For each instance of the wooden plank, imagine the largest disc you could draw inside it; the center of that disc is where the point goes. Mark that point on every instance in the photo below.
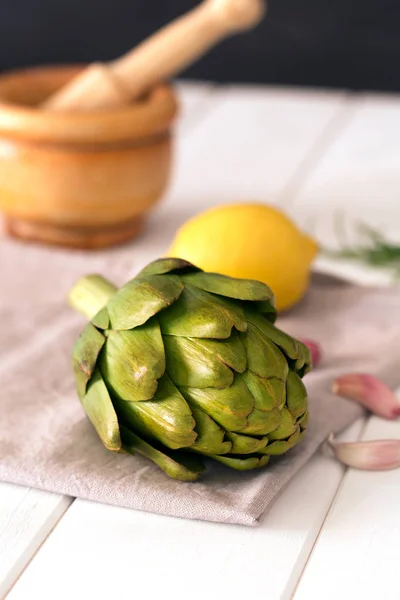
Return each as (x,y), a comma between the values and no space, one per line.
(249,146)
(357,554)
(253,144)
(111,549)
(26,518)
(357,180)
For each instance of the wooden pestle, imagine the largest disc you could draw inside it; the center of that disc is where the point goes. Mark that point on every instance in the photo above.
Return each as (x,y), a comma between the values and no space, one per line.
(163,55)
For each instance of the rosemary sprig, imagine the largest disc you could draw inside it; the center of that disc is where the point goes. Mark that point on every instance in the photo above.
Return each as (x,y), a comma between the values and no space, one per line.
(373,250)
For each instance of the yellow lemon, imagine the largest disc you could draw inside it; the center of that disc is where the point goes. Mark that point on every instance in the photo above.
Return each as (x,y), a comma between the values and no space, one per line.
(252,241)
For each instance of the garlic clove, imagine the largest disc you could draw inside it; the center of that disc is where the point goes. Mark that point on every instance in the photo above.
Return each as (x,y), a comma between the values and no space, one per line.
(369,391)
(376,455)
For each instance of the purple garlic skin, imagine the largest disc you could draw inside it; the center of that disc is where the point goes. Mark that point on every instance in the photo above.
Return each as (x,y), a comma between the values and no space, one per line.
(376,455)
(370,392)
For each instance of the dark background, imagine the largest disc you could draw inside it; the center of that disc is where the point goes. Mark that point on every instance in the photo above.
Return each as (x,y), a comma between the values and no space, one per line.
(326,43)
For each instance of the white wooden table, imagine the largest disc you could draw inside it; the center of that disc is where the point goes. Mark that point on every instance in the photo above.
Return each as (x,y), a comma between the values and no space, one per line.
(333,533)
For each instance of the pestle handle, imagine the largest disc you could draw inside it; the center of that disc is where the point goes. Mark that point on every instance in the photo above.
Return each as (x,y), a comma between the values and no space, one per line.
(158,58)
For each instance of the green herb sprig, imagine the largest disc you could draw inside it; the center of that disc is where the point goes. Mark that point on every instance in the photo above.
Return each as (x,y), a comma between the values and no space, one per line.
(372,249)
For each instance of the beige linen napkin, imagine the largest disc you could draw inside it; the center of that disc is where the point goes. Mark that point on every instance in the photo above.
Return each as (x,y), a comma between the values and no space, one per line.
(47,442)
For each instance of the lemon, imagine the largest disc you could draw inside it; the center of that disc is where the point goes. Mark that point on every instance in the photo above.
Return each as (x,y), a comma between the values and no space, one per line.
(252,241)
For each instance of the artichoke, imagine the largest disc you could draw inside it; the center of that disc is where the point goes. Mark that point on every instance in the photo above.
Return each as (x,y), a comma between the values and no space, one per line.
(180,363)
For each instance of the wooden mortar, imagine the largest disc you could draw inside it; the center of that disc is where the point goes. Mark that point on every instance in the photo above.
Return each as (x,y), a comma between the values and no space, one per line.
(82,180)
(85,153)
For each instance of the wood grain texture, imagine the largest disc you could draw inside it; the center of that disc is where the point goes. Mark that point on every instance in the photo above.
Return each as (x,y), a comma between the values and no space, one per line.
(249,145)
(357,553)
(357,180)
(26,518)
(164,556)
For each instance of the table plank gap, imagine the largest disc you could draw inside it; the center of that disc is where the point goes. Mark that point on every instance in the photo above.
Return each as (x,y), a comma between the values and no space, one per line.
(357,180)
(356,555)
(282,541)
(27,517)
(334,127)
(357,434)
(246,148)
(249,145)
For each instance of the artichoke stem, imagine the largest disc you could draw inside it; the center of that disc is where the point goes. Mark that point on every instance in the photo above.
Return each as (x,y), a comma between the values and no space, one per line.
(90,294)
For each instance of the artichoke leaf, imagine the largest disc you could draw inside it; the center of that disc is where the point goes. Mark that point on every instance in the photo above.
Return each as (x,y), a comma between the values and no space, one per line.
(162,266)
(166,418)
(102,319)
(289,346)
(229,407)
(132,361)
(230,351)
(223,285)
(99,408)
(303,365)
(263,357)
(140,299)
(178,465)
(210,436)
(262,423)
(268,393)
(244,444)
(296,395)
(247,463)
(84,356)
(281,446)
(287,427)
(267,309)
(189,364)
(303,421)
(199,314)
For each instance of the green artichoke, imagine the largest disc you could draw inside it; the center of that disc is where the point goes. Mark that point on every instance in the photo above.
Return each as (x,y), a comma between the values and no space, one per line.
(180,363)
